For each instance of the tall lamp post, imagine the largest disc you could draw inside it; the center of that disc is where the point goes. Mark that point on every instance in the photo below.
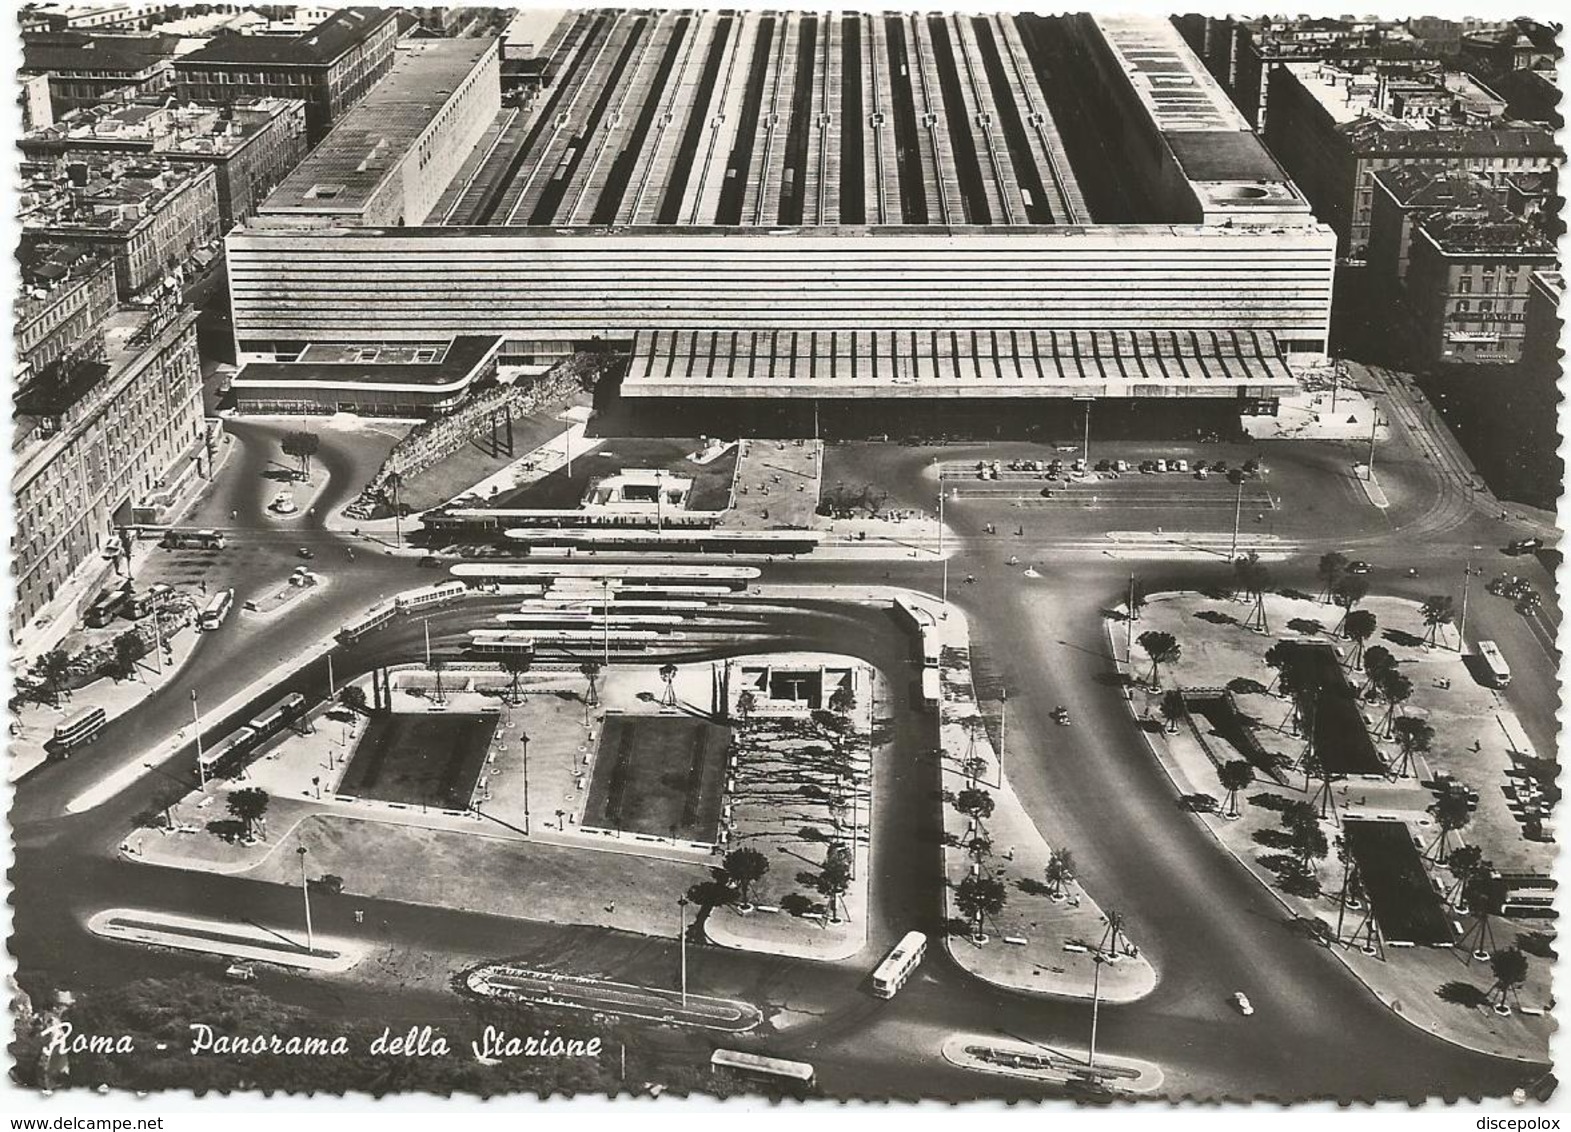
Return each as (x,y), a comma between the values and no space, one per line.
(1237,476)
(196,720)
(681,935)
(606,621)
(1096,1000)
(941,555)
(305,889)
(524,736)
(1461,628)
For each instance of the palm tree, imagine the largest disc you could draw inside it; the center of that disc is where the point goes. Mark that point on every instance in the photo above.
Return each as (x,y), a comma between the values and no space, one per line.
(1358,626)
(1137,597)
(1484,896)
(1437,610)
(1378,660)
(352,696)
(55,667)
(1113,933)
(746,704)
(1332,566)
(129,648)
(1235,776)
(1347,593)
(302,446)
(834,878)
(668,674)
(1060,870)
(516,665)
(745,867)
(590,670)
(1395,689)
(1510,971)
(1253,578)
(437,665)
(1173,709)
(978,897)
(1462,862)
(974,767)
(1276,659)
(1415,736)
(248,806)
(980,847)
(1452,813)
(1162,648)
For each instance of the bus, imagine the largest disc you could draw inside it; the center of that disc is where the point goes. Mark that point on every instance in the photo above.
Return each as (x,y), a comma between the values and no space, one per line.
(430,595)
(890,975)
(83,727)
(756,1066)
(175,539)
(224,754)
(279,716)
(932,690)
(217,608)
(1494,663)
(105,608)
(375,618)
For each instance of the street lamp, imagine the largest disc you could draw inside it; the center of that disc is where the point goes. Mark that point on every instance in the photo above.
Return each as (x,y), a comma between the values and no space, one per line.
(305,888)
(525,737)
(681,935)
(196,719)
(1096,1000)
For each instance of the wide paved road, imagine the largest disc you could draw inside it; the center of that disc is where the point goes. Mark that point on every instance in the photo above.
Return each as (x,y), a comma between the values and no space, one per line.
(1208,926)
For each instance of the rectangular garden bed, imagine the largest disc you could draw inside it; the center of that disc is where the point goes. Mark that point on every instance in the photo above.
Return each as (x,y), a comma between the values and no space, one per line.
(1407,908)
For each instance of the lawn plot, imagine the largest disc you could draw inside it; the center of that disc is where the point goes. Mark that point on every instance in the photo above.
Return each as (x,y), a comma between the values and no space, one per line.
(420,760)
(658,775)
(1405,902)
(1341,737)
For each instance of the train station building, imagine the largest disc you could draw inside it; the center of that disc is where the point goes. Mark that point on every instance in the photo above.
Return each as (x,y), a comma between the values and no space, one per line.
(783,206)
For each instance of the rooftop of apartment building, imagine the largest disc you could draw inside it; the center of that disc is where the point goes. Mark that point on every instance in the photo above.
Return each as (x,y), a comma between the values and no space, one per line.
(327,41)
(48,267)
(1523,32)
(1403,94)
(163,126)
(1311,38)
(1552,283)
(1434,186)
(95,51)
(366,146)
(1468,233)
(106,192)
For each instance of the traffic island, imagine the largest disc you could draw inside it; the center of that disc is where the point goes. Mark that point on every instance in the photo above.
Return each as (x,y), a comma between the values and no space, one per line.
(1336,808)
(1061,1065)
(291,946)
(675,1007)
(1040,931)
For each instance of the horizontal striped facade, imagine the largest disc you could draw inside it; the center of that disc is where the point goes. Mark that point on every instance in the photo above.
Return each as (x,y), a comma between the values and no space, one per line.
(557,287)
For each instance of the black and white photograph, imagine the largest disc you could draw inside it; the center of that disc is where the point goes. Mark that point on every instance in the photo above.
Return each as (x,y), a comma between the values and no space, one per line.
(821,562)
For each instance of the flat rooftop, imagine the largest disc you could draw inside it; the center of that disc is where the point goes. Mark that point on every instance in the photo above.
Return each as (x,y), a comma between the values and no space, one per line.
(1178,92)
(402,364)
(320,45)
(344,172)
(781,118)
(187,130)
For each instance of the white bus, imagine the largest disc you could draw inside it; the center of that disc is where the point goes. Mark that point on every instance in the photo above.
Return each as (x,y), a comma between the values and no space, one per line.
(83,727)
(430,595)
(932,689)
(277,717)
(200,540)
(217,608)
(1499,672)
(366,622)
(892,973)
(756,1065)
(227,753)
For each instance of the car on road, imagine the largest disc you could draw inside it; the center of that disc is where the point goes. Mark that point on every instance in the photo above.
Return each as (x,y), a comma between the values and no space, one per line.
(1120,465)
(1358,566)
(305,552)
(1180,465)
(113,547)
(1525,546)
(1241,1000)
(430,562)
(240,973)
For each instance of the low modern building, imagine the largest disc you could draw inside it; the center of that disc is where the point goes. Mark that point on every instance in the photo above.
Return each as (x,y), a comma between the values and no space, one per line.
(252,144)
(332,66)
(68,291)
(1335,127)
(415,379)
(85,451)
(1468,284)
(156,217)
(388,161)
(85,69)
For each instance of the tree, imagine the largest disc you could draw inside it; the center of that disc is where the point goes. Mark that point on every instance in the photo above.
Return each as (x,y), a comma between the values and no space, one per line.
(1277,659)
(975,804)
(1463,862)
(980,847)
(975,766)
(1060,870)
(1452,813)
(835,877)
(843,700)
(1394,689)
(979,897)
(516,665)
(352,696)
(1484,896)
(247,806)
(1438,610)
(1137,597)
(1414,736)
(746,704)
(1332,566)
(1235,776)
(1377,660)
(668,674)
(438,664)
(1358,626)
(302,446)
(129,648)
(55,668)
(1162,648)
(1347,593)
(393,483)
(745,867)
(1510,971)
(1253,578)
(1173,709)
(590,670)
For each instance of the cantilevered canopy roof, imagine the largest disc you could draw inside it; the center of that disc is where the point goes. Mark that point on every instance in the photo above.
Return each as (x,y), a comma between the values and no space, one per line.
(1012,362)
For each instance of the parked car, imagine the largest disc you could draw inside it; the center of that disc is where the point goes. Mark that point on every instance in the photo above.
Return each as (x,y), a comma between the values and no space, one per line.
(1201,465)
(240,973)
(113,547)
(1104,465)
(1120,465)
(1241,1000)
(1358,566)
(305,552)
(1161,466)
(1180,465)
